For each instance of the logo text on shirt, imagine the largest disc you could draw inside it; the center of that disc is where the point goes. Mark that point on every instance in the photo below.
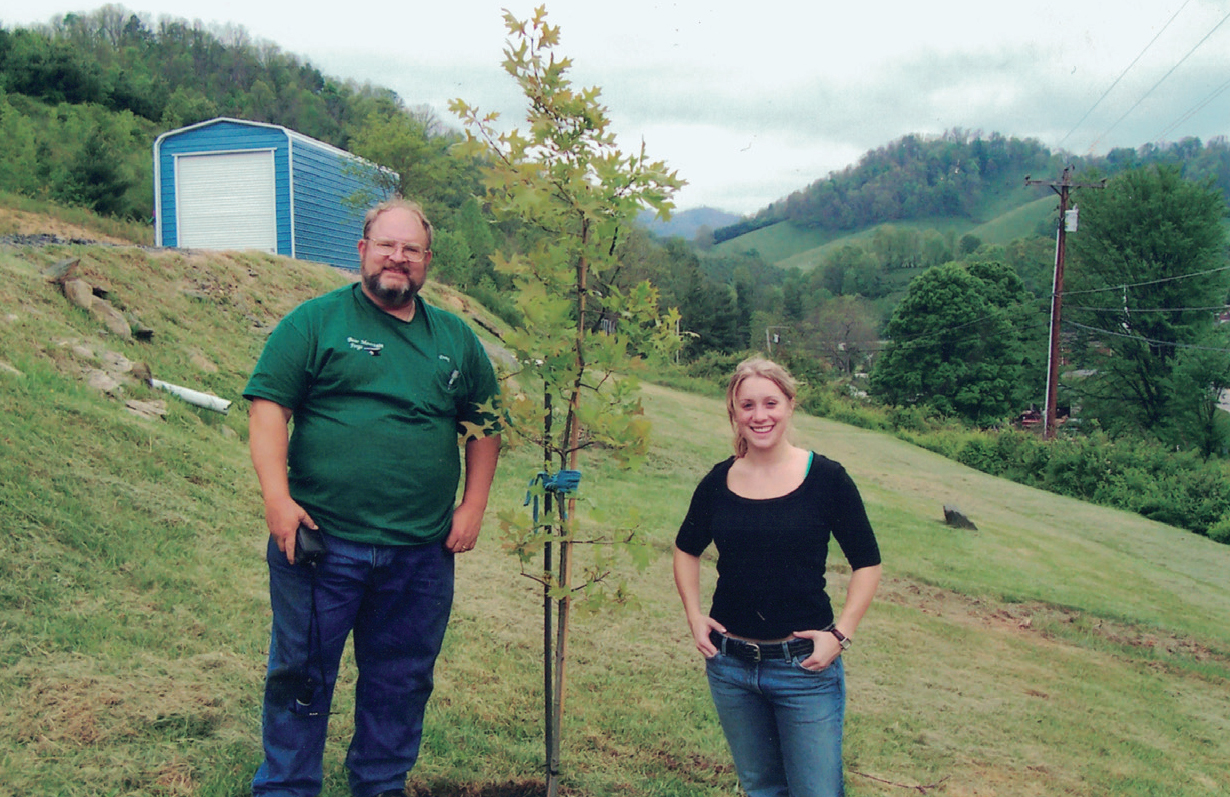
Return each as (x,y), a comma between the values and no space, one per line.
(373,349)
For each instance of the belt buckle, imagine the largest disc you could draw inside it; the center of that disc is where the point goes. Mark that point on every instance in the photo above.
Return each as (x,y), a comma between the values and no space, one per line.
(755,651)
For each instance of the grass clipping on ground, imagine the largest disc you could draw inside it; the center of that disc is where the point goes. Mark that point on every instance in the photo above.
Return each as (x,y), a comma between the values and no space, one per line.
(1060,649)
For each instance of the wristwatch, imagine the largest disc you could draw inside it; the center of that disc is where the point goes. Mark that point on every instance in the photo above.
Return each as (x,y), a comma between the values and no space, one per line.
(842,639)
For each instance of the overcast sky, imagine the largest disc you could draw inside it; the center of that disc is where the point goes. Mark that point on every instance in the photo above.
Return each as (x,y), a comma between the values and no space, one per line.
(752,100)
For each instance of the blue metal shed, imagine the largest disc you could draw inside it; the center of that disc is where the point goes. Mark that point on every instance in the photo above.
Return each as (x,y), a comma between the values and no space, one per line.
(235,184)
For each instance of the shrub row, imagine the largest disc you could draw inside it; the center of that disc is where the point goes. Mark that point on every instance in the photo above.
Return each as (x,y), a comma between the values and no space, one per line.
(1173,487)
(1178,488)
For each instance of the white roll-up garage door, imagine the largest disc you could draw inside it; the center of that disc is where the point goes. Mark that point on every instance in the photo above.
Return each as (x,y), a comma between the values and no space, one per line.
(226,201)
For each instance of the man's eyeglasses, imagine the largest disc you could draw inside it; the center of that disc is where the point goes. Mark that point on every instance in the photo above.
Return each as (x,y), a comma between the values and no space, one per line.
(412,252)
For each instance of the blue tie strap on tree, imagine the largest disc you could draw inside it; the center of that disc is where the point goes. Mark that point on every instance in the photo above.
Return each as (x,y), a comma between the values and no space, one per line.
(561,484)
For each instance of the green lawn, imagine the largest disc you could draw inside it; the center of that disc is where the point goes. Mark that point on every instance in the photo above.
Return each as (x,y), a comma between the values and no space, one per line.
(1060,649)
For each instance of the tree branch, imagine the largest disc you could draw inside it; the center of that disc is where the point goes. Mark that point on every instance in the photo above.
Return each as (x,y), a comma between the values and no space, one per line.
(919,789)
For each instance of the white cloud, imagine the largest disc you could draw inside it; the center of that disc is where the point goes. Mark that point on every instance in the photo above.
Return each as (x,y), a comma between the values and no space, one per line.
(751,102)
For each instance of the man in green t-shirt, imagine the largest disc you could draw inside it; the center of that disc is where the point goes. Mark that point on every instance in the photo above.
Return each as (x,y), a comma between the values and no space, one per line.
(379,385)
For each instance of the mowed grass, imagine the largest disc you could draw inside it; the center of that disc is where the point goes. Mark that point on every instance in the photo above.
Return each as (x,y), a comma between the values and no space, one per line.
(1020,221)
(788,246)
(1060,649)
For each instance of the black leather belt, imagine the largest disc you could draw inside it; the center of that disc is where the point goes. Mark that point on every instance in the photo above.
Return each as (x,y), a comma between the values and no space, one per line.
(754,652)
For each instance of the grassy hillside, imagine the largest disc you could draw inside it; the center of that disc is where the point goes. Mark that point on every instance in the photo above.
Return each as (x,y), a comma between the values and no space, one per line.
(1019,222)
(787,246)
(777,242)
(32,217)
(1061,649)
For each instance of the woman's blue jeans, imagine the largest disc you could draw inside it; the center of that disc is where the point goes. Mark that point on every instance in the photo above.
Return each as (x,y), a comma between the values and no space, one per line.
(396,600)
(783,724)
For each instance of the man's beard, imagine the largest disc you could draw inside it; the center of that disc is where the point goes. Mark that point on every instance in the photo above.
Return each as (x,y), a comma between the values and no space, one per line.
(393,297)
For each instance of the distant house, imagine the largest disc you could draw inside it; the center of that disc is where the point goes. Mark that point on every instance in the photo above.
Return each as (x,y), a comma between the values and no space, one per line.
(235,184)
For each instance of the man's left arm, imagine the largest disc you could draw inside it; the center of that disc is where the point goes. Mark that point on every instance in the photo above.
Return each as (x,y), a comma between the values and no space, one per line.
(482,453)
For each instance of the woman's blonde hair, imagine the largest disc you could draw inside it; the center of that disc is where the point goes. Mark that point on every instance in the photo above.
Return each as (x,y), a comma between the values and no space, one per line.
(767,369)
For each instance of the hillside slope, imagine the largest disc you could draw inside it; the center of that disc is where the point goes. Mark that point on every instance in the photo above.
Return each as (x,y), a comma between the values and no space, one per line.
(787,246)
(1061,649)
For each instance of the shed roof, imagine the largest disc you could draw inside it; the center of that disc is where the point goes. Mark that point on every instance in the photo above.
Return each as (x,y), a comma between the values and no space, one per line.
(291,134)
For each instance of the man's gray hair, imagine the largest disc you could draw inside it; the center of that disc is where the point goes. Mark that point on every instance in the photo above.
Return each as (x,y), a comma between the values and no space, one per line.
(398,202)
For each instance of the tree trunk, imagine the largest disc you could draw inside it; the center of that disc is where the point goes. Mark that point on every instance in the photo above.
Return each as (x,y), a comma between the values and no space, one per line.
(550,725)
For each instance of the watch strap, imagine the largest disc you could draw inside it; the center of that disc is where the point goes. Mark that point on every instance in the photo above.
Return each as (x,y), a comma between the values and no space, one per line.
(842,639)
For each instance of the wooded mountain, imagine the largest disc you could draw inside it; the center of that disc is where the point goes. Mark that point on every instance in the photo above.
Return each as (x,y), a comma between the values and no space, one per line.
(961,175)
(685,224)
(82,99)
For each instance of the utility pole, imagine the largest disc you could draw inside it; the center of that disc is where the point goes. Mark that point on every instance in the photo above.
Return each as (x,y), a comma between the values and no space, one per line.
(1067,223)
(771,337)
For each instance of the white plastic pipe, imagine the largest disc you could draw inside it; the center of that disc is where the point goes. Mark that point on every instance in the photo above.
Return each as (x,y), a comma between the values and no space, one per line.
(194,396)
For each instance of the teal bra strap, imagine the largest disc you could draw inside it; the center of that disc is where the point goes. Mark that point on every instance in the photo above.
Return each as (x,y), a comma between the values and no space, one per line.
(811,455)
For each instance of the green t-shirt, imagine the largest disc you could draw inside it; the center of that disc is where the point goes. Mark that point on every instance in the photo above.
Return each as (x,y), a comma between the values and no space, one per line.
(378,404)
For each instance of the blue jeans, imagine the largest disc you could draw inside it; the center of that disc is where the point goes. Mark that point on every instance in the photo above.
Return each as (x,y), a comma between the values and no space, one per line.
(783,724)
(396,600)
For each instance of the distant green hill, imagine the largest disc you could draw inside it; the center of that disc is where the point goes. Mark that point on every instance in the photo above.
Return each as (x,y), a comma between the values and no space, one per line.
(955,183)
(778,243)
(1020,222)
(787,246)
(83,98)
(685,223)
(1007,214)
(957,175)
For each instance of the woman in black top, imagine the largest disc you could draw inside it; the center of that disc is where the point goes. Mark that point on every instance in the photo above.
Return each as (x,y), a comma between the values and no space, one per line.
(771,643)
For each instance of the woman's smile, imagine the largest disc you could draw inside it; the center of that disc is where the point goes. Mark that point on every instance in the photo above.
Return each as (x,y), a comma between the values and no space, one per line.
(762,411)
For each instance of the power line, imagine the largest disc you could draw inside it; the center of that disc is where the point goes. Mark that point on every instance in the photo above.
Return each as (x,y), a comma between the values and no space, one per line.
(1158,83)
(922,339)
(1148,310)
(1121,74)
(1195,110)
(945,331)
(1142,339)
(1150,282)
